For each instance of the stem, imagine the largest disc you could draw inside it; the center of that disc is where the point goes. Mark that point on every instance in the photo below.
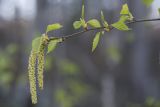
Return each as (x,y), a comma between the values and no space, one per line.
(76,34)
(144,20)
(100,28)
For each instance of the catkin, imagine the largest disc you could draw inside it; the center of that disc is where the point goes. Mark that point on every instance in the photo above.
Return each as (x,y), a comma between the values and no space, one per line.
(40,62)
(32,78)
(40,68)
(39,57)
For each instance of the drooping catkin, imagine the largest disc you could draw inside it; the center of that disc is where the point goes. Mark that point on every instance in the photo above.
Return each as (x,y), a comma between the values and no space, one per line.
(40,61)
(40,67)
(32,78)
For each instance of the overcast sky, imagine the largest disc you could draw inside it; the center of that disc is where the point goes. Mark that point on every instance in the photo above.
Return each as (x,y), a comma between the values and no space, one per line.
(27,8)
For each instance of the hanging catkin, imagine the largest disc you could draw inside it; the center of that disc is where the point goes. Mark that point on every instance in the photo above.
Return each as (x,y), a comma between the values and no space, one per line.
(40,61)
(40,64)
(37,54)
(32,78)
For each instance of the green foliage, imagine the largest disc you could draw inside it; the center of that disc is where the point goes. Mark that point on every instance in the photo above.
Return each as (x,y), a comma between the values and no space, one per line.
(120,25)
(82,14)
(7,65)
(94,23)
(125,16)
(52,44)
(78,88)
(104,22)
(6,78)
(125,12)
(49,62)
(77,91)
(159,10)
(102,16)
(149,102)
(12,48)
(68,67)
(77,24)
(83,22)
(36,44)
(96,41)
(113,53)
(52,27)
(147,2)
(63,98)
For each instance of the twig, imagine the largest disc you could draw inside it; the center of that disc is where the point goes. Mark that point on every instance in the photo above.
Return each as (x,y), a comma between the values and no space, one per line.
(100,28)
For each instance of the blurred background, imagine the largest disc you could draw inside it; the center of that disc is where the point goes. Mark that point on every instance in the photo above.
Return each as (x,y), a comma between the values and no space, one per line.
(123,71)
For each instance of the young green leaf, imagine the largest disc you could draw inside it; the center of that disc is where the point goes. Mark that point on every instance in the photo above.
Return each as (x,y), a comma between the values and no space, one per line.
(148,2)
(36,44)
(83,23)
(53,27)
(125,11)
(102,16)
(159,10)
(130,16)
(96,41)
(121,26)
(77,24)
(82,14)
(104,22)
(52,44)
(123,18)
(94,23)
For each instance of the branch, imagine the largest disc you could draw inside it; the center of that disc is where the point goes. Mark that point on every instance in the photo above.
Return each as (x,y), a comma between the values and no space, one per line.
(143,20)
(101,28)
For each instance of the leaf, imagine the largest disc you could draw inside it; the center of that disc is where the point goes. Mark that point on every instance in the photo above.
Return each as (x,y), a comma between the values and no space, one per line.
(96,41)
(125,11)
(105,23)
(52,44)
(94,23)
(121,26)
(147,2)
(82,14)
(53,27)
(77,24)
(83,23)
(36,44)
(130,16)
(124,18)
(159,10)
(102,16)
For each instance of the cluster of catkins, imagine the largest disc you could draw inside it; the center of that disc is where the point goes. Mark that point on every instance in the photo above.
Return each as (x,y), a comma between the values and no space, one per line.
(37,58)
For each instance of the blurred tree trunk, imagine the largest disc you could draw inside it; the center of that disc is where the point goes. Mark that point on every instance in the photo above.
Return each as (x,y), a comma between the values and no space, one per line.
(142,80)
